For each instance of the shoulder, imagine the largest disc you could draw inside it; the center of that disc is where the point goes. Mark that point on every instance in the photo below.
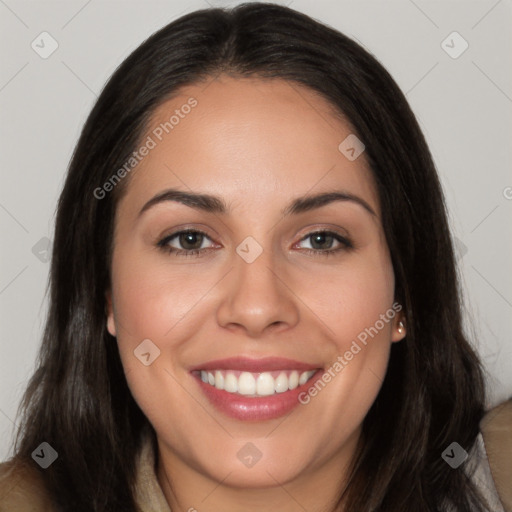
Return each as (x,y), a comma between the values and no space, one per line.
(22,489)
(496,431)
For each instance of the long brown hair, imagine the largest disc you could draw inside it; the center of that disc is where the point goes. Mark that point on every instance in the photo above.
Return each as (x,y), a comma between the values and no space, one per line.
(433,394)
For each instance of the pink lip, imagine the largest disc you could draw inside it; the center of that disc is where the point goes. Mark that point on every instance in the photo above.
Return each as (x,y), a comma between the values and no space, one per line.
(245,364)
(254,409)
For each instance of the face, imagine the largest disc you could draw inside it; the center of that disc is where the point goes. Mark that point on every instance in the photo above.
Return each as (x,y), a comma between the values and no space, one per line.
(266,282)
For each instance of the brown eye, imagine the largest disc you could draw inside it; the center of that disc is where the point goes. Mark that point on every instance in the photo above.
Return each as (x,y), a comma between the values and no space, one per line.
(190,240)
(186,243)
(321,242)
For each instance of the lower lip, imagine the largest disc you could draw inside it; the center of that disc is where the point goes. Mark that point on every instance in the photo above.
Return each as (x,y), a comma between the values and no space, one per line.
(255,409)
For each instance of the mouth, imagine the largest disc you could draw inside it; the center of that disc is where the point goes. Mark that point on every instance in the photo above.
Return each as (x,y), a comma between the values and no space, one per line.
(253,385)
(255,390)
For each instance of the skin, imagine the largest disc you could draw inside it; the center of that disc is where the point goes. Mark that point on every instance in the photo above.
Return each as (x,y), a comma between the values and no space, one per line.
(257,144)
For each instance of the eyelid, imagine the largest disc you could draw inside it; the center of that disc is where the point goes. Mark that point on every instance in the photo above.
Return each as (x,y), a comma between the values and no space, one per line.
(184,228)
(163,240)
(312,231)
(323,228)
(344,240)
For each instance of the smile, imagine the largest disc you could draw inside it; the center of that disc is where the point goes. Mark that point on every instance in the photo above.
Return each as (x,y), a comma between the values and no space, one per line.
(255,389)
(254,385)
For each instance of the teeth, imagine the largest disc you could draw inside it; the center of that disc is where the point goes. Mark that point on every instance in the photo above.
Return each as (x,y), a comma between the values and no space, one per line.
(281,383)
(303,378)
(293,380)
(219,380)
(246,384)
(256,384)
(265,385)
(231,383)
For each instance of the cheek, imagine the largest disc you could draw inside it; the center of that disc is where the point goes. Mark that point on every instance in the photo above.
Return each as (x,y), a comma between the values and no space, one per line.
(360,345)
(351,298)
(151,309)
(356,307)
(151,299)
(161,302)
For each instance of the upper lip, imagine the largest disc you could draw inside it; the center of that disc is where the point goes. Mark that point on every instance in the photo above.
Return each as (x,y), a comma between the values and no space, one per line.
(245,364)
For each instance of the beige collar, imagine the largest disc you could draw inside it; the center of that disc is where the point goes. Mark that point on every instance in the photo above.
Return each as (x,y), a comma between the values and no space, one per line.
(496,428)
(148,493)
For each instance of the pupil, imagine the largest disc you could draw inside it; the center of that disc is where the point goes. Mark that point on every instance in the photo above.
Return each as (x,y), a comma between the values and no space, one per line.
(321,238)
(187,239)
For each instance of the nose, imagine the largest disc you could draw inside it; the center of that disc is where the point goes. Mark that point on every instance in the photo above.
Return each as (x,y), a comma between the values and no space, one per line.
(256,299)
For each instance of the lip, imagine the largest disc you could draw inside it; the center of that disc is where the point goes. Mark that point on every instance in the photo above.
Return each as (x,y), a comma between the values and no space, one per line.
(259,408)
(245,364)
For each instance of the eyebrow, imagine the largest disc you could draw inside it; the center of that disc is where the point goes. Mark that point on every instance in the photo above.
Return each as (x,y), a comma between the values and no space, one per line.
(214,204)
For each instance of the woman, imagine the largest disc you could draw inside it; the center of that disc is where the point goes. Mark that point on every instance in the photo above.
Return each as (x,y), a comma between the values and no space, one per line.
(254,299)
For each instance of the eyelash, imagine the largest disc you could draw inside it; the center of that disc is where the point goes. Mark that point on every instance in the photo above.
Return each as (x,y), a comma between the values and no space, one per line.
(162,244)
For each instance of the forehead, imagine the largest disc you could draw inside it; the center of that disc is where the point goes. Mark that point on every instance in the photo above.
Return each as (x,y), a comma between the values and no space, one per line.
(260,139)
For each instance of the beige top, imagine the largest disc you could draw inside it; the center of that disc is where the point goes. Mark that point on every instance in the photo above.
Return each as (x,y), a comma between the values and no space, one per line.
(21,489)
(148,493)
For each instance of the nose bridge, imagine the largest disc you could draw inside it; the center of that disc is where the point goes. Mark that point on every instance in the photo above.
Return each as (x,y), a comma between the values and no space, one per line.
(255,267)
(256,297)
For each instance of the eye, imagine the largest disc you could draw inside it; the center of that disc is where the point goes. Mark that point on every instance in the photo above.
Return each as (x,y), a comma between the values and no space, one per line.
(189,242)
(322,241)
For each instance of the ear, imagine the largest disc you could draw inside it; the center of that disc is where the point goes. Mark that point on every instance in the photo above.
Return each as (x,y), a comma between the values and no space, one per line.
(111,326)
(399,328)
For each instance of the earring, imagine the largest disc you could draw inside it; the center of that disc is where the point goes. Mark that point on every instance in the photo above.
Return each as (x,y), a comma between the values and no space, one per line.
(401,327)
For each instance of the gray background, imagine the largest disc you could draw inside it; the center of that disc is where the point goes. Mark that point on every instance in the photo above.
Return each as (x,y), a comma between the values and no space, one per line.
(463,104)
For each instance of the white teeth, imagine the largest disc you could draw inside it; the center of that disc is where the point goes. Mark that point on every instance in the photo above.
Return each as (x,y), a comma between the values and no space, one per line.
(303,378)
(231,383)
(265,384)
(255,384)
(293,380)
(281,383)
(219,380)
(246,384)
